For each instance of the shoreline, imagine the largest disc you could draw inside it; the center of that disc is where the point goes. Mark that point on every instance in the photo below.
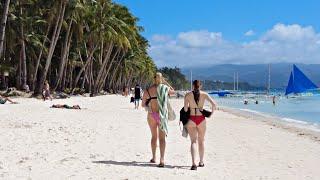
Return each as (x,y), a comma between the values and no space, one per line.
(300,129)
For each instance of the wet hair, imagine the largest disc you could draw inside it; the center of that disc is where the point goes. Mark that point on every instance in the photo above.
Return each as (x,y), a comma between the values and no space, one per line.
(158,78)
(196,90)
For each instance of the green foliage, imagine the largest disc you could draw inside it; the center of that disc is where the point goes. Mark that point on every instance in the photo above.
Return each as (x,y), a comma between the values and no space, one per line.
(175,78)
(105,29)
(220,85)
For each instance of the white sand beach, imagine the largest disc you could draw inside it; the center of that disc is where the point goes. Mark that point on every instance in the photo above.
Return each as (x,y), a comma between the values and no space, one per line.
(110,140)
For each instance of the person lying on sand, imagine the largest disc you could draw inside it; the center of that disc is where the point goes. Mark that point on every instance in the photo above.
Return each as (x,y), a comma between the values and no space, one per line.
(3,100)
(65,106)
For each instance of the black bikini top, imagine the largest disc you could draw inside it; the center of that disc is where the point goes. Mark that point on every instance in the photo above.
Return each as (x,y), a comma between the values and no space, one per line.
(150,96)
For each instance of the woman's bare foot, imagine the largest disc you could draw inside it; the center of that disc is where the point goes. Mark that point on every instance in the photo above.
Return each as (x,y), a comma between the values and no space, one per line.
(153,161)
(193,167)
(161,165)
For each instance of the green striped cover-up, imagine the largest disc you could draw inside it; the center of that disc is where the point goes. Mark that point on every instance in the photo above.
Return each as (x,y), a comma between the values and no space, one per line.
(162,97)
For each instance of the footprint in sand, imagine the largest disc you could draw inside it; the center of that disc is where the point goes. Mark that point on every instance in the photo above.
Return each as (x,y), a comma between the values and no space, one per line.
(69,159)
(22,160)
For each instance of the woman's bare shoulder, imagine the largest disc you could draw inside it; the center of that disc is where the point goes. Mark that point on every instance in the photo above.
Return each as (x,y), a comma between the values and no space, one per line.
(150,87)
(188,94)
(203,93)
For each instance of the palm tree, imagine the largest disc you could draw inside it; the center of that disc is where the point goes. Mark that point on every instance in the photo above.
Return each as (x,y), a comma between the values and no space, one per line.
(54,39)
(93,45)
(3,24)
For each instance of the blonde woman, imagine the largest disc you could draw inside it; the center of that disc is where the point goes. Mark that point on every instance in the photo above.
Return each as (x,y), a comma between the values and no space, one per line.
(152,99)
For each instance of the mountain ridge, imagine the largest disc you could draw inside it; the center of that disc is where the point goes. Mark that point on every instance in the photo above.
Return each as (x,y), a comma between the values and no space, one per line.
(254,74)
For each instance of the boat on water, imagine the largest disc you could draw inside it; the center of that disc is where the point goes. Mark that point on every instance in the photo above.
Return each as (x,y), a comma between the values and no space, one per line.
(299,83)
(221,93)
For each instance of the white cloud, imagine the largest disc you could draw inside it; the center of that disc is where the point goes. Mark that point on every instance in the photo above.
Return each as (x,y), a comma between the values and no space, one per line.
(295,32)
(282,43)
(198,39)
(250,33)
(160,38)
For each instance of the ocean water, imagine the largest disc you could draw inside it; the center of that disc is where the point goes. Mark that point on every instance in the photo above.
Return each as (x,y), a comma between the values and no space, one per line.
(303,110)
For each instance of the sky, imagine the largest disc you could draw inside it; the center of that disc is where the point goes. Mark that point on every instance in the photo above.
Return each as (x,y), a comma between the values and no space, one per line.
(188,33)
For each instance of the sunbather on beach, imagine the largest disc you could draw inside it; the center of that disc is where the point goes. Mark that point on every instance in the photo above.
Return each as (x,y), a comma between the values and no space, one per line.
(3,100)
(65,106)
(158,126)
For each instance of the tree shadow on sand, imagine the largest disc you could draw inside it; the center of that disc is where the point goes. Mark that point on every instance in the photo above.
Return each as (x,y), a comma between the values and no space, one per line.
(138,164)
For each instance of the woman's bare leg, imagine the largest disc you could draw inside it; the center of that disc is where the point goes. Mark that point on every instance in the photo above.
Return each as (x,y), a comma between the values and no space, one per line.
(154,136)
(10,100)
(162,142)
(192,130)
(201,133)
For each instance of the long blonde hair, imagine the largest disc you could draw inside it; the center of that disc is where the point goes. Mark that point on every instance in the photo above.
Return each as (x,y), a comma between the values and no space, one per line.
(158,78)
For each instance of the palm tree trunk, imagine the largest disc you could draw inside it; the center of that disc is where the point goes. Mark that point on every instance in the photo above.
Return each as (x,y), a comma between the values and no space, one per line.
(91,84)
(64,79)
(71,75)
(105,74)
(3,24)
(23,60)
(23,57)
(89,59)
(116,70)
(39,59)
(53,44)
(102,69)
(109,67)
(64,56)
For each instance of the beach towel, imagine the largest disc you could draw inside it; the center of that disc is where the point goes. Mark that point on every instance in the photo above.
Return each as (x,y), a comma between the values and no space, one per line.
(162,97)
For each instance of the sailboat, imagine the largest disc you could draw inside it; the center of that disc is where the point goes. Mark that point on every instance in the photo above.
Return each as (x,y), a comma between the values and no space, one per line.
(299,82)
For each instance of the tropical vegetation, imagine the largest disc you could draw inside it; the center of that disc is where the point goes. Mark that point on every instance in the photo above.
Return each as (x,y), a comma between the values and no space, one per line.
(221,85)
(175,77)
(92,45)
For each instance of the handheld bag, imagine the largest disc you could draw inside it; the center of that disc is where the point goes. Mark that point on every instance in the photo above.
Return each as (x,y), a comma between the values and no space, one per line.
(184,116)
(206,113)
(171,113)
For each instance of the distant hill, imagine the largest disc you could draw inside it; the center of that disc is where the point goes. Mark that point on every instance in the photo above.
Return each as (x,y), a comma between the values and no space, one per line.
(218,85)
(254,74)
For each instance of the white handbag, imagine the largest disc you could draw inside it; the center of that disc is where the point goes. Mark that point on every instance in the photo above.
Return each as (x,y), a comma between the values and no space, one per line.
(171,113)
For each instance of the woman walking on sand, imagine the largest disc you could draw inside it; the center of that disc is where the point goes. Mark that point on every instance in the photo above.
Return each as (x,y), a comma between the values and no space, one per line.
(154,100)
(196,125)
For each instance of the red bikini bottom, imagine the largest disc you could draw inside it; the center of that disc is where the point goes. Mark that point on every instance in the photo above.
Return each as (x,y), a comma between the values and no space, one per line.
(197,119)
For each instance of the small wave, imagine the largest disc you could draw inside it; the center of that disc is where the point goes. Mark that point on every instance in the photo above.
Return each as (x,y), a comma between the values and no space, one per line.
(252,111)
(294,121)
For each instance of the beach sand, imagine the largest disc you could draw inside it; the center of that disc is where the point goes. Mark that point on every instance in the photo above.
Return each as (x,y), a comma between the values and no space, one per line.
(110,140)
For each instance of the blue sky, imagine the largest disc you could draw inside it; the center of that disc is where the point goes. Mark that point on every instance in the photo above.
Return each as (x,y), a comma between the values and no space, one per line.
(229,31)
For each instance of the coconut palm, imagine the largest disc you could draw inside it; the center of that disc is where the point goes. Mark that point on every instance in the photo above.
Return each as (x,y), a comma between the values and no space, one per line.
(3,24)
(93,45)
